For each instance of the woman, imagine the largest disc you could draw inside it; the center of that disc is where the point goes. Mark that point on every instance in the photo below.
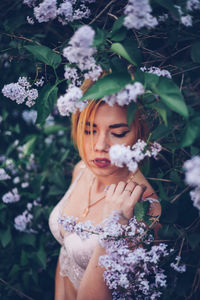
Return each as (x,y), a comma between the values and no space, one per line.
(98,188)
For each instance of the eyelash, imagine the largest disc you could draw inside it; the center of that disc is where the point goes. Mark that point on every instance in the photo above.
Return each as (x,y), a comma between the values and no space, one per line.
(120,135)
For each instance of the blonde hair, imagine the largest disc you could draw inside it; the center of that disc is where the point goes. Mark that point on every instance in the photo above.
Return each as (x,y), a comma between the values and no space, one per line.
(79,120)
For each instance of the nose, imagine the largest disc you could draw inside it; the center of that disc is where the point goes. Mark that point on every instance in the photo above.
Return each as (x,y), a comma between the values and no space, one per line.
(101,143)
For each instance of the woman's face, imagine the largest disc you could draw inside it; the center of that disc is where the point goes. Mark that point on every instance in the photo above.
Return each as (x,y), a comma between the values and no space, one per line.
(109,128)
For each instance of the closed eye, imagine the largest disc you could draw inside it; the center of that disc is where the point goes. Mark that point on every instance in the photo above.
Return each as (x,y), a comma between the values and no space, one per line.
(120,135)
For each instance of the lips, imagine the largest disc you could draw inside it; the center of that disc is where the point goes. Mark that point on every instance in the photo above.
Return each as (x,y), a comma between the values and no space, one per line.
(101,162)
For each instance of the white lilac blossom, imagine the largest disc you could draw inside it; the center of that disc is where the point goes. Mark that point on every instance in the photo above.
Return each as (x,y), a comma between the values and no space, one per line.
(192,171)
(128,94)
(72,74)
(46,11)
(157,71)
(29,116)
(181,268)
(131,271)
(39,82)
(195,197)
(80,52)
(24,185)
(20,92)
(121,155)
(22,221)
(30,3)
(138,15)
(192,178)
(11,197)
(30,20)
(186,20)
(193,5)
(3,174)
(16,180)
(69,103)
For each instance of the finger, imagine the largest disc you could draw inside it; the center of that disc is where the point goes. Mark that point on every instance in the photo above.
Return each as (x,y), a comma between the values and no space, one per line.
(110,190)
(120,187)
(137,194)
(130,187)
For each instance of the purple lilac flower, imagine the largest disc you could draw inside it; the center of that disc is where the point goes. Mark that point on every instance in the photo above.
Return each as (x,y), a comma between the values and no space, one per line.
(22,221)
(156,71)
(69,102)
(11,197)
(46,11)
(192,171)
(193,5)
(126,95)
(121,155)
(3,174)
(20,92)
(138,15)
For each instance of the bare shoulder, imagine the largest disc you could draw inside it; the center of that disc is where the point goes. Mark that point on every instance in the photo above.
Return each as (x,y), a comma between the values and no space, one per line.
(77,169)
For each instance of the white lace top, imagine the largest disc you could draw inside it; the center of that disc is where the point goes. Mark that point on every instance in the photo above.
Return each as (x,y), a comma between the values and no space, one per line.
(75,253)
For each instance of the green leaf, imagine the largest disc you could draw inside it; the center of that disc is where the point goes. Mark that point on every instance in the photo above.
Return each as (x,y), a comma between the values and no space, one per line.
(29,146)
(5,237)
(99,38)
(171,96)
(195,53)
(107,85)
(128,52)
(118,24)
(41,256)
(54,128)
(120,35)
(46,101)
(190,134)
(161,109)
(132,108)
(151,80)
(141,209)
(45,55)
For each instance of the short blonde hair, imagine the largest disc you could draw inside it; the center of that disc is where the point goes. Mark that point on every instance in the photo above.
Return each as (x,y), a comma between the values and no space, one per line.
(79,120)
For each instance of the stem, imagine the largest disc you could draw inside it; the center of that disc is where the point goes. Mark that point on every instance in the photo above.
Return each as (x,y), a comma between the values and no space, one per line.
(16,290)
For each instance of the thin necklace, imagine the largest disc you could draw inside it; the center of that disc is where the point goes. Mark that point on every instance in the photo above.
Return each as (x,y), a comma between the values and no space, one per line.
(86,210)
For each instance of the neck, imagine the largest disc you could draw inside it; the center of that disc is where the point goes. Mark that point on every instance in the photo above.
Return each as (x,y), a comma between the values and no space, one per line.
(102,181)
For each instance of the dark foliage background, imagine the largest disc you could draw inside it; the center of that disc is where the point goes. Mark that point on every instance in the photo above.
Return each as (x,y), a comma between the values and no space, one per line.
(42,153)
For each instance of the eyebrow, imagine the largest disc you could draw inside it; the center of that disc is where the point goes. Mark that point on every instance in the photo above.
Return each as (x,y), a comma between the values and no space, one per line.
(117,125)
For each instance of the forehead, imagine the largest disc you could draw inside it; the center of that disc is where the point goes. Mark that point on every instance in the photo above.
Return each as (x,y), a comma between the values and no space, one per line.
(106,114)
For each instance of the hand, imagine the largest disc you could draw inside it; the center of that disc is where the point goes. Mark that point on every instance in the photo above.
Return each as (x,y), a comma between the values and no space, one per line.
(123,197)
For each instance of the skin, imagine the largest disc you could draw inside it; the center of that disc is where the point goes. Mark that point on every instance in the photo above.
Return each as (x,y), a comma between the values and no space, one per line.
(121,195)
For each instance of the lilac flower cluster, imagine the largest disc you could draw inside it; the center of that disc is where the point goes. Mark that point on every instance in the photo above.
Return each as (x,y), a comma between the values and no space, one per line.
(193,5)
(121,155)
(3,174)
(131,271)
(156,71)
(66,12)
(80,52)
(186,20)
(11,197)
(138,15)
(126,95)
(23,222)
(192,178)
(69,103)
(20,92)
